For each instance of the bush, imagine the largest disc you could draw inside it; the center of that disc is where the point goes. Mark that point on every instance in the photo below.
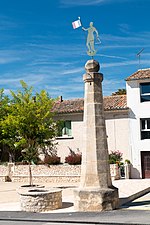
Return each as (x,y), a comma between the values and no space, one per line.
(52,159)
(127,161)
(73,159)
(115,157)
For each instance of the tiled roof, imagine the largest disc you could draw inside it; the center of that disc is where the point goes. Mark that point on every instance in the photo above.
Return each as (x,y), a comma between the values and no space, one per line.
(140,74)
(69,106)
(116,102)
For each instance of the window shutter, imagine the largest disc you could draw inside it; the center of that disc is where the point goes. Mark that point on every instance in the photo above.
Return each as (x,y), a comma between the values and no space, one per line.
(68,127)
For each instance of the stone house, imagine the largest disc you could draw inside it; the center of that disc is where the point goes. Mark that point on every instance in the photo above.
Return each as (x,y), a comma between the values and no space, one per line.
(127,120)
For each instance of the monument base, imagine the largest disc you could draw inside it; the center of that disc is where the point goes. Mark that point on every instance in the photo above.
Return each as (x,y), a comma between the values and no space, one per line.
(96,199)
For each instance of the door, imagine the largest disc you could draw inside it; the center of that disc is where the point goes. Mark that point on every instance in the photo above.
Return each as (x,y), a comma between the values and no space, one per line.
(145,160)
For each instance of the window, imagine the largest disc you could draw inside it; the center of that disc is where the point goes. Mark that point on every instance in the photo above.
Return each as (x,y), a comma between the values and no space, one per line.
(145,129)
(65,128)
(145,92)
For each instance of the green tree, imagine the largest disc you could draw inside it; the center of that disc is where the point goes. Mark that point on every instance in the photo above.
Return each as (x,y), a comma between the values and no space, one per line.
(27,123)
(34,118)
(4,104)
(9,135)
(5,110)
(120,92)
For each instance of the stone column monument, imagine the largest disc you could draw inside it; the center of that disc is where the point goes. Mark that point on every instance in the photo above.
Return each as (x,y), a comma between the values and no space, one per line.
(95,192)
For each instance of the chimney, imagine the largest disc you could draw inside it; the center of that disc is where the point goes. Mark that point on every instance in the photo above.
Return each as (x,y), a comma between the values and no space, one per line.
(60,99)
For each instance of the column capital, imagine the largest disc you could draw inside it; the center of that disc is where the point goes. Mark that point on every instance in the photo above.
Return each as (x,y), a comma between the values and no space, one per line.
(91,77)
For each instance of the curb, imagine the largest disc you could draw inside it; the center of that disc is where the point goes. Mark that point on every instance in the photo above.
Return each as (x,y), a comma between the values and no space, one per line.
(70,221)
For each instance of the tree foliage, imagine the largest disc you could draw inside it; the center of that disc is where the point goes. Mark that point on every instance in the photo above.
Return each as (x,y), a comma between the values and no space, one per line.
(7,128)
(120,92)
(27,122)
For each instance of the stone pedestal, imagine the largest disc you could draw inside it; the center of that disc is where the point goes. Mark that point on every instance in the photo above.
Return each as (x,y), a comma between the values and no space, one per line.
(96,199)
(40,199)
(96,192)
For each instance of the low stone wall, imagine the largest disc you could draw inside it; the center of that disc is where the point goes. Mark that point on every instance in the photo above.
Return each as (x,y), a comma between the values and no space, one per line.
(3,173)
(3,170)
(51,174)
(3,178)
(47,174)
(44,170)
(47,179)
(40,199)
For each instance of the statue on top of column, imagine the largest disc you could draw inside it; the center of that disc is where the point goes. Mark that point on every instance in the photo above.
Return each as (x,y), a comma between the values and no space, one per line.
(90,39)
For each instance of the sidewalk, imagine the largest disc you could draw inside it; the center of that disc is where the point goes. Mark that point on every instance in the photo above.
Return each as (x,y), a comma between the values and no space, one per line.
(129,189)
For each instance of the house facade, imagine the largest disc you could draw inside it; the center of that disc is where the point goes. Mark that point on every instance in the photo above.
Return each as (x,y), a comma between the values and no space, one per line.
(138,101)
(127,120)
(117,125)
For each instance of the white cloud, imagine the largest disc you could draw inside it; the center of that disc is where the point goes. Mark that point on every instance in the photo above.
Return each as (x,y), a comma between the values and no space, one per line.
(112,56)
(83,2)
(77,80)
(66,90)
(5,60)
(125,63)
(73,71)
(112,85)
(125,28)
(13,80)
(129,40)
(8,56)
(72,3)
(6,23)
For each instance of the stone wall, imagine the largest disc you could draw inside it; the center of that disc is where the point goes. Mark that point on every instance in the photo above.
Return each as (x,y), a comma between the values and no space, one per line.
(3,170)
(52,170)
(42,173)
(3,173)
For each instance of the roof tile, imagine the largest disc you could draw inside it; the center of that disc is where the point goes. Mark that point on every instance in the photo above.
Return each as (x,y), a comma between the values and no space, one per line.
(140,74)
(116,102)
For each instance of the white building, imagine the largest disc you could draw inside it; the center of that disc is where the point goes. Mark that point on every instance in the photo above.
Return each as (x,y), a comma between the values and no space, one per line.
(138,101)
(127,123)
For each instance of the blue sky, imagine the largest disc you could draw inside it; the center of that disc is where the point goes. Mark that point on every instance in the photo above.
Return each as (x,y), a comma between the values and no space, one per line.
(39,45)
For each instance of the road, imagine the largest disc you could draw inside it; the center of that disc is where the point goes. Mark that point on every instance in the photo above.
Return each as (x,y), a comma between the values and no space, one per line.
(64,223)
(121,216)
(35,223)
(42,223)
